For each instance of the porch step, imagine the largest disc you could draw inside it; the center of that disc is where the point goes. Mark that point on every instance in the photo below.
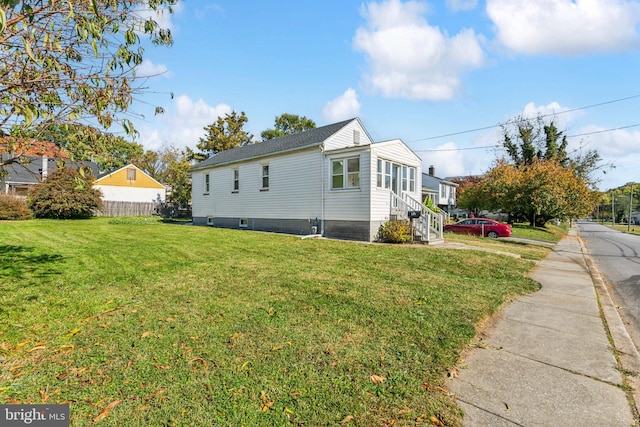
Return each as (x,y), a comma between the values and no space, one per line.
(433,241)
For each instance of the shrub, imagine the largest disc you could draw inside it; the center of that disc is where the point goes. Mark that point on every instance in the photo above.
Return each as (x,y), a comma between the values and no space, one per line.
(66,194)
(395,232)
(14,208)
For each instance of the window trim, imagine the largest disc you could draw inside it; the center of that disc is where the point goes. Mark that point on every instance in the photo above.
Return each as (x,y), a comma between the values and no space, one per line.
(207,183)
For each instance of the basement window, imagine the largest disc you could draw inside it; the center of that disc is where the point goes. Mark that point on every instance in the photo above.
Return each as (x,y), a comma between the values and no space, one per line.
(244,223)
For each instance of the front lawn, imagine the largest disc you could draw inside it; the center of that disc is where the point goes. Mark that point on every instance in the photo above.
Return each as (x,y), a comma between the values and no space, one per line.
(137,323)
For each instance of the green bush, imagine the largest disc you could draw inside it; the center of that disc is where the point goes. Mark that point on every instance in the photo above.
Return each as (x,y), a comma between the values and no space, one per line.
(14,208)
(395,232)
(66,194)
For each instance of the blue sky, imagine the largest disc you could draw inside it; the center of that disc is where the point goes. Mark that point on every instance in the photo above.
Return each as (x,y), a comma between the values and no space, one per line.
(414,70)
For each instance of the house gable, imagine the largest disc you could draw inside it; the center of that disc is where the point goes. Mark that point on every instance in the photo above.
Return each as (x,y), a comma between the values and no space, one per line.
(128,176)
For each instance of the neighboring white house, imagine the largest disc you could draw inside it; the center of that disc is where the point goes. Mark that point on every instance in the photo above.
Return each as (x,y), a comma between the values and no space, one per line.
(441,191)
(332,180)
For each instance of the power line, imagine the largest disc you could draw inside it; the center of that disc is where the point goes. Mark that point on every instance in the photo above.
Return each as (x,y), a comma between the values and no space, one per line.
(499,147)
(542,116)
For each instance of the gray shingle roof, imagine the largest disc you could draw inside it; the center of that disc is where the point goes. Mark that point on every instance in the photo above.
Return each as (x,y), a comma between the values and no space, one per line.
(31,171)
(294,141)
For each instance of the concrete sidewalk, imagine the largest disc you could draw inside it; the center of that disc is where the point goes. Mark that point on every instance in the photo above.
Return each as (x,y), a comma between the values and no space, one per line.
(548,360)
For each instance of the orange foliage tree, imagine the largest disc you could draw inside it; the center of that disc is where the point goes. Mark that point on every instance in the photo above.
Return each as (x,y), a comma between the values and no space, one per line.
(536,192)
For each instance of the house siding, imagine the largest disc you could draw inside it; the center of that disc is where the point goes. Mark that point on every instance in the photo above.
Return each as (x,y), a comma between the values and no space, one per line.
(130,194)
(293,196)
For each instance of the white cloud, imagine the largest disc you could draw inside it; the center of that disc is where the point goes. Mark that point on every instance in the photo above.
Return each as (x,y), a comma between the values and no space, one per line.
(566,27)
(457,5)
(344,107)
(149,69)
(182,124)
(408,58)
(162,15)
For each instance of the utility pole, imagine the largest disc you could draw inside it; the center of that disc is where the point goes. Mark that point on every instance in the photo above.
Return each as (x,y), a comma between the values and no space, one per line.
(613,211)
(630,208)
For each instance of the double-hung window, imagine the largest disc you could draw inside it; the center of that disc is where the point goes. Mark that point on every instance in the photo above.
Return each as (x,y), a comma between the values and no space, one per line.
(380,174)
(345,173)
(265,177)
(236,180)
(412,179)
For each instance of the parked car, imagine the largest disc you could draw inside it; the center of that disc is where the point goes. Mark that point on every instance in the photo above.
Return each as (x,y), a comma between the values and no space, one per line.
(480,227)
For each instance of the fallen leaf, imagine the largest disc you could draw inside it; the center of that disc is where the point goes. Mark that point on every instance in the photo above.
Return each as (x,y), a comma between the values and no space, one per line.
(266,406)
(62,376)
(74,331)
(276,348)
(145,334)
(452,373)
(287,410)
(38,347)
(44,396)
(377,379)
(198,359)
(105,412)
(435,420)
(347,419)
(170,319)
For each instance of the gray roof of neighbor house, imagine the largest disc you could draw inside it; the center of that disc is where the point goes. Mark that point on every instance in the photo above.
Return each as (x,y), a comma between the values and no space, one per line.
(433,182)
(30,172)
(295,141)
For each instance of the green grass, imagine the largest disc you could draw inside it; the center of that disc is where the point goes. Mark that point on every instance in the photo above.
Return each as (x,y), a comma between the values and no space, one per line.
(141,323)
(527,250)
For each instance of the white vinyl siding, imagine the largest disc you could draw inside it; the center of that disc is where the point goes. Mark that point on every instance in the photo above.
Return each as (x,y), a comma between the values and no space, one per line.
(345,138)
(294,188)
(130,194)
(350,204)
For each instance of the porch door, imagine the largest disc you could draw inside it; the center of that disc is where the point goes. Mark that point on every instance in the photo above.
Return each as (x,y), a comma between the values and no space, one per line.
(395,178)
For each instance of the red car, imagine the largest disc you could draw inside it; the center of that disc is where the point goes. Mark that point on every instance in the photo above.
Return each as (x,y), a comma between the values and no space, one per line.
(480,227)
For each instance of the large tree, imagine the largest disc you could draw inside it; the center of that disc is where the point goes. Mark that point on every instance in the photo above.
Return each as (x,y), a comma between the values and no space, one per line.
(169,166)
(287,124)
(526,140)
(82,142)
(226,133)
(537,192)
(64,61)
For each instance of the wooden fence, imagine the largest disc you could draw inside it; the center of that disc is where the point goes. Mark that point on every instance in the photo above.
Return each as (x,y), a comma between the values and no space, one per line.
(115,208)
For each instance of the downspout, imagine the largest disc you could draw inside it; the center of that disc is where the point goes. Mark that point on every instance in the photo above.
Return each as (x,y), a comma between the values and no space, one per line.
(322,189)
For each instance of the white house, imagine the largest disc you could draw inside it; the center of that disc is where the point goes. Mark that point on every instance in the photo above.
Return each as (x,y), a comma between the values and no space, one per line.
(441,191)
(332,180)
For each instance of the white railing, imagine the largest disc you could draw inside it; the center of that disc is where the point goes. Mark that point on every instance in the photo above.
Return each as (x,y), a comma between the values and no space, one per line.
(429,226)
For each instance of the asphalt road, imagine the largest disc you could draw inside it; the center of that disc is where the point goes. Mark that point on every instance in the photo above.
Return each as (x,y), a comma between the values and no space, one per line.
(617,256)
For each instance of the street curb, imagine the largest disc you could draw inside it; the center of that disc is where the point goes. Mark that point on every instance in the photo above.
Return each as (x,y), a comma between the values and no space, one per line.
(625,351)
